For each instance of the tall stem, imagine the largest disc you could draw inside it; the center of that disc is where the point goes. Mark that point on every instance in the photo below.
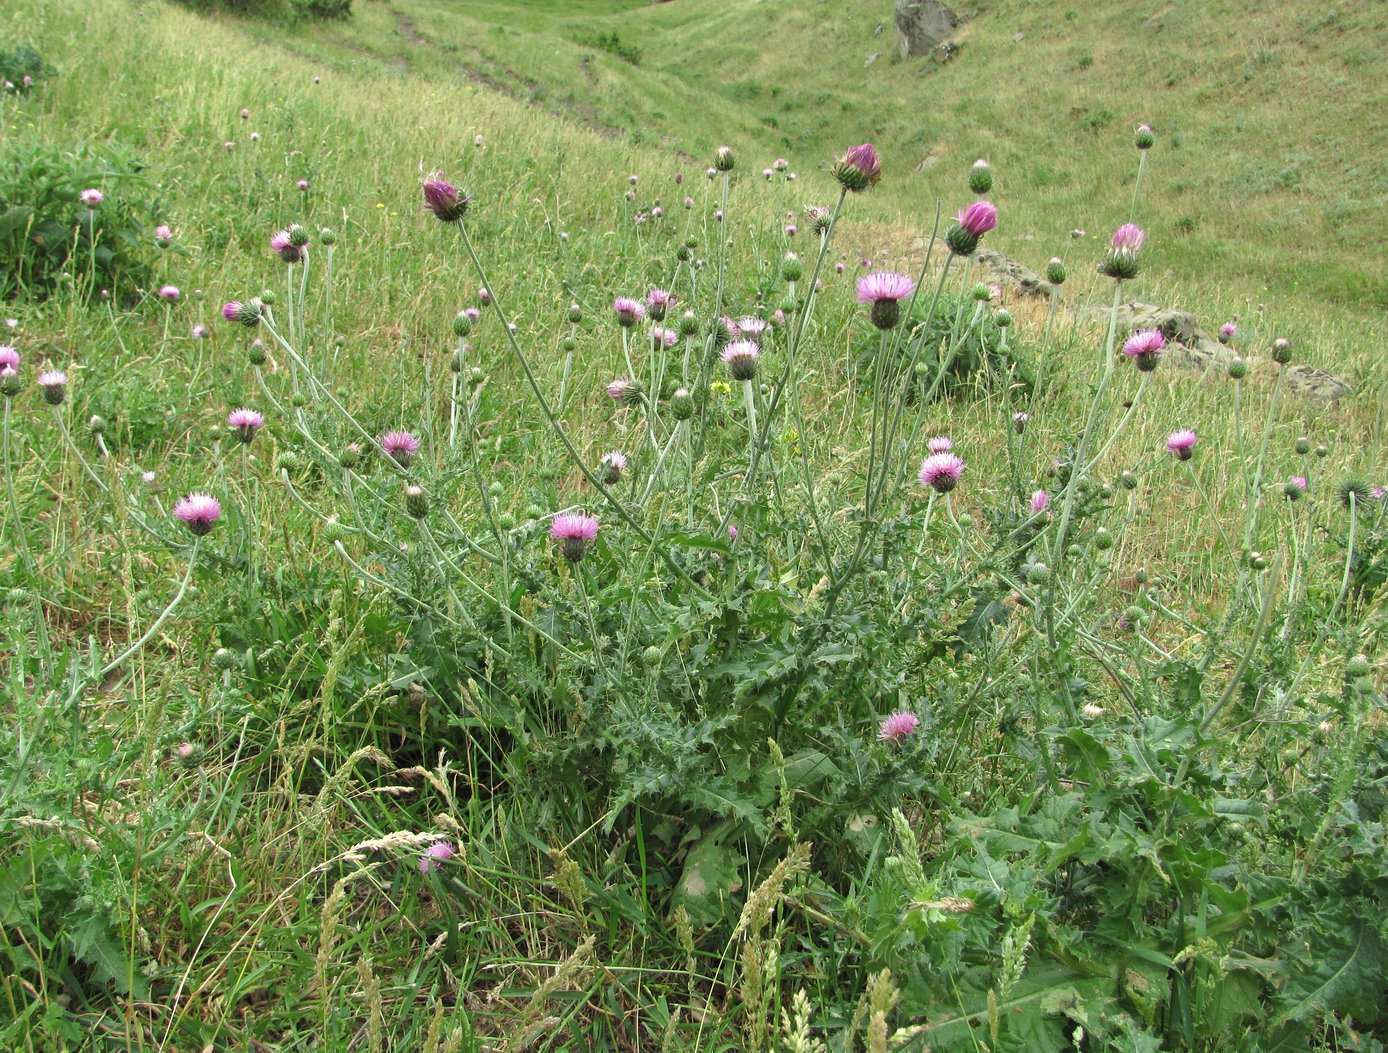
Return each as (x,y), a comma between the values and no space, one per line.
(19,530)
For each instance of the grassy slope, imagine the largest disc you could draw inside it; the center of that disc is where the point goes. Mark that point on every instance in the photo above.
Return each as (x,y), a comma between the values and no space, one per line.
(1270,118)
(360,136)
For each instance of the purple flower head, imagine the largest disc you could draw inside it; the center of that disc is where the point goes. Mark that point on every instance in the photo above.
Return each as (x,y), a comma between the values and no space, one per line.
(484,296)
(283,244)
(400,446)
(1145,347)
(624,391)
(979,218)
(9,357)
(1128,238)
(444,199)
(767,173)
(169,293)
(1299,481)
(247,314)
(1182,443)
(613,464)
(199,511)
(435,856)
(939,444)
(472,313)
(859,169)
(659,301)
(897,727)
(732,532)
(780,164)
(245,423)
(303,184)
(201,332)
(91,197)
(884,290)
(1121,260)
(750,327)
(1040,500)
(163,236)
(941,472)
(1227,330)
(629,311)
(574,533)
(741,357)
(664,337)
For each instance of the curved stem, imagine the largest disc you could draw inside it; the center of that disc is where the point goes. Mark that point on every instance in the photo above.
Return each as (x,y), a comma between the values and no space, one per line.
(1122,424)
(116,663)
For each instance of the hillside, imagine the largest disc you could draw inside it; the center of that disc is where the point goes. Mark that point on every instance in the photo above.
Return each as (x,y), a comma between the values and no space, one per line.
(1272,118)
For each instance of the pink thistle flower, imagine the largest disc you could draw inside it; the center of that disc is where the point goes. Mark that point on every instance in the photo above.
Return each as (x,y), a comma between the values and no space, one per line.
(574,533)
(91,197)
(9,357)
(163,236)
(742,359)
(732,532)
(624,391)
(245,423)
(688,201)
(473,313)
(400,446)
(767,173)
(613,464)
(838,268)
(1144,348)
(884,290)
(435,856)
(1128,238)
(1040,500)
(629,311)
(1121,260)
(657,212)
(859,169)
(198,511)
(53,384)
(148,478)
(895,728)
(941,472)
(939,444)
(282,244)
(780,164)
(1227,331)
(444,199)
(659,301)
(484,296)
(302,184)
(201,332)
(979,218)
(1299,481)
(664,337)
(247,314)
(631,179)
(1182,443)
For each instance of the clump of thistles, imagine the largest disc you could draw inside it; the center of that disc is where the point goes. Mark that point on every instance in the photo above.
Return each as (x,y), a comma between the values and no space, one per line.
(1121,260)
(400,446)
(885,290)
(859,169)
(969,226)
(574,533)
(941,472)
(742,357)
(245,423)
(1144,348)
(444,199)
(198,512)
(897,727)
(1182,443)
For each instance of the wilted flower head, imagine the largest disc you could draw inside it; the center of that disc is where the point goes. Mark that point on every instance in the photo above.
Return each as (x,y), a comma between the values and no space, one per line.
(574,533)
(245,423)
(629,311)
(435,856)
(1145,347)
(859,169)
(941,472)
(199,511)
(1182,443)
(1020,421)
(897,726)
(742,359)
(400,446)
(91,197)
(444,199)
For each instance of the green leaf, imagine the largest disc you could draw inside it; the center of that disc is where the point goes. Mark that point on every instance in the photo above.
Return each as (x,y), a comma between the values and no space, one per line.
(712,875)
(1348,979)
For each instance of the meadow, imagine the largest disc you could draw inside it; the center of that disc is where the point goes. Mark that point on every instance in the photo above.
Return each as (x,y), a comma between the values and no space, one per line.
(492,562)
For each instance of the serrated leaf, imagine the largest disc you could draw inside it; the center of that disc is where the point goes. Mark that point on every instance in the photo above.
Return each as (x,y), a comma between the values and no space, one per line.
(1348,979)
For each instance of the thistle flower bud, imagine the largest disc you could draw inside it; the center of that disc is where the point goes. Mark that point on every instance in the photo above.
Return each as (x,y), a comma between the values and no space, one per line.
(1281,351)
(53,382)
(567,344)
(11,384)
(96,425)
(334,530)
(1002,318)
(982,293)
(1143,138)
(575,314)
(1121,261)
(256,353)
(444,200)
(1128,481)
(792,270)
(1238,368)
(287,461)
(1359,665)
(1055,271)
(349,456)
(416,504)
(688,324)
(456,361)
(1303,445)
(223,658)
(247,314)
(981,177)
(681,404)
(723,159)
(859,169)
(462,324)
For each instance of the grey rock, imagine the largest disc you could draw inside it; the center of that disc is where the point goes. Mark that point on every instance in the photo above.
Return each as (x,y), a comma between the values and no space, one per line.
(871,59)
(922,26)
(1007,272)
(1190,346)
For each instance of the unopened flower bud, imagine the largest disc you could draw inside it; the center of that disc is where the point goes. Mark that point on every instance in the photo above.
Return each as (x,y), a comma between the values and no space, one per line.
(981,177)
(1238,368)
(462,324)
(1002,318)
(287,461)
(575,314)
(1128,481)
(96,425)
(326,236)
(1303,445)
(1055,271)
(681,404)
(1281,351)
(416,504)
(1143,138)
(723,159)
(349,456)
(792,270)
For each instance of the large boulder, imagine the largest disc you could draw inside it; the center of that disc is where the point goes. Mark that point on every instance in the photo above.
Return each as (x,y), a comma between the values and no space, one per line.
(1002,270)
(922,26)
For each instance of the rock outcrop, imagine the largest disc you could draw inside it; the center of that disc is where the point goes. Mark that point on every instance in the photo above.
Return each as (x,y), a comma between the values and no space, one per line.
(922,26)
(1189,345)
(1004,271)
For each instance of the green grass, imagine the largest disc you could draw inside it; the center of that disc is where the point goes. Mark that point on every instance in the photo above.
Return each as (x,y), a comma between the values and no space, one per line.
(594,760)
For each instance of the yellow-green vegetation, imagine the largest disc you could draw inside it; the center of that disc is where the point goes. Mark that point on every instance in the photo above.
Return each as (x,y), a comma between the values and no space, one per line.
(1085,751)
